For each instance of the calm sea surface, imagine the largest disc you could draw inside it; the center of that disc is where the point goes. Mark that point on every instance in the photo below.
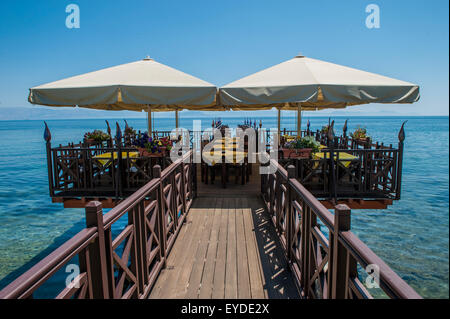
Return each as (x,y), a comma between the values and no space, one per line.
(412,236)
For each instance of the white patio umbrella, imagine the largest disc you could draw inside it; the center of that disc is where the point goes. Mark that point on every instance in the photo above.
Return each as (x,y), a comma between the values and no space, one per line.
(141,85)
(308,84)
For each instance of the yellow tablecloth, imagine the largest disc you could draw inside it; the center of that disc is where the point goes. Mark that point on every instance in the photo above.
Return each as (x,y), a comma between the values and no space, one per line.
(342,155)
(106,157)
(236,138)
(226,141)
(289,137)
(223,147)
(228,144)
(214,157)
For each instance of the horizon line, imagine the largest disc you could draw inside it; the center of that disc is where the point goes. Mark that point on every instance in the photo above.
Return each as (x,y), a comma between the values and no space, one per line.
(265,116)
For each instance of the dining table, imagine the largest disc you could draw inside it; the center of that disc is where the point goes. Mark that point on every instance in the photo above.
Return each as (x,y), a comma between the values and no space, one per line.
(105,158)
(345,159)
(224,153)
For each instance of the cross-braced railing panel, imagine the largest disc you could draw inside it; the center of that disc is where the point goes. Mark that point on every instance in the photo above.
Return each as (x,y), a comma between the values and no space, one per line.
(124,264)
(169,211)
(117,259)
(375,171)
(369,173)
(78,253)
(327,259)
(152,240)
(189,176)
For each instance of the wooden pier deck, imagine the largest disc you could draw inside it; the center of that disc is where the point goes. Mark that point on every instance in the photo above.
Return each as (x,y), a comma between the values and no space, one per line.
(228,248)
(218,243)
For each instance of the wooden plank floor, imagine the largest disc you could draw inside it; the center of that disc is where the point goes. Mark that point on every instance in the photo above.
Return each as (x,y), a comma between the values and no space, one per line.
(227,249)
(252,187)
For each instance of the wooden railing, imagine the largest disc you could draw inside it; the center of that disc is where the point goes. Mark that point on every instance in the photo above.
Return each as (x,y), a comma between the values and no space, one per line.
(374,173)
(114,261)
(328,260)
(371,174)
(76,171)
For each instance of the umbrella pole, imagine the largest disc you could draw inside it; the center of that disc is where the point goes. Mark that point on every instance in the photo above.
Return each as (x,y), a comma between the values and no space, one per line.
(176,122)
(299,121)
(149,121)
(279,125)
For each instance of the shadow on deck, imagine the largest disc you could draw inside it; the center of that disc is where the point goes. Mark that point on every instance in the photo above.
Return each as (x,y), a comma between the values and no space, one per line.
(228,248)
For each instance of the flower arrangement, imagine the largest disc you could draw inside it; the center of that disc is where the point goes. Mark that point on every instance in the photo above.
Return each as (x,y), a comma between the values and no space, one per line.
(360,134)
(141,140)
(304,142)
(166,142)
(97,136)
(324,129)
(129,131)
(300,147)
(151,146)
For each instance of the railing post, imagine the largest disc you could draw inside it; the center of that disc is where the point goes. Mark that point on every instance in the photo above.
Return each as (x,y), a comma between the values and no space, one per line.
(119,161)
(344,130)
(369,143)
(263,183)
(305,248)
(272,195)
(332,175)
(173,182)
(183,188)
(339,263)
(401,139)
(97,254)
(278,206)
(161,215)
(110,141)
(48,146)
(289,214)
(194,179)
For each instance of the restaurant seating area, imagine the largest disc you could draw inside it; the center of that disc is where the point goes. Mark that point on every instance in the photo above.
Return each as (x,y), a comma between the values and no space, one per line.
(103,166)
(360,169)
(225,159)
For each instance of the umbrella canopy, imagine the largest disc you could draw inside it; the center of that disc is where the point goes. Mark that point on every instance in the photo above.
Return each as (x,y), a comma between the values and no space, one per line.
(134,86)
(314,84)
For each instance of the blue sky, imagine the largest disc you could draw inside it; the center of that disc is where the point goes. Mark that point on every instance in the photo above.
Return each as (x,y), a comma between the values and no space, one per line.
(221,41)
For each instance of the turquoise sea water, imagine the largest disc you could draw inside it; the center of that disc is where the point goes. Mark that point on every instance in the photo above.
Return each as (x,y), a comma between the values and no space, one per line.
(411,236)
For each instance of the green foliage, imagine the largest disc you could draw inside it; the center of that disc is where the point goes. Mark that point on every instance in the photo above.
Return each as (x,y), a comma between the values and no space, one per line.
(304,142)
(359,133)
(130,131)
(324,129)
(153,145)
(97,135)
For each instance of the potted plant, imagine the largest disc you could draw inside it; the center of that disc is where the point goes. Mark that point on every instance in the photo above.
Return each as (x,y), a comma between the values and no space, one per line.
(151,147)
(360,134)
(301,147)
(324,129)
(96,136)
(129,131)
(165,144)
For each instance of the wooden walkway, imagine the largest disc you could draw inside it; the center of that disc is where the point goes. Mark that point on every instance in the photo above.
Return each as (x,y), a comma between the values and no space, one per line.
(227,249)
(252,187)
